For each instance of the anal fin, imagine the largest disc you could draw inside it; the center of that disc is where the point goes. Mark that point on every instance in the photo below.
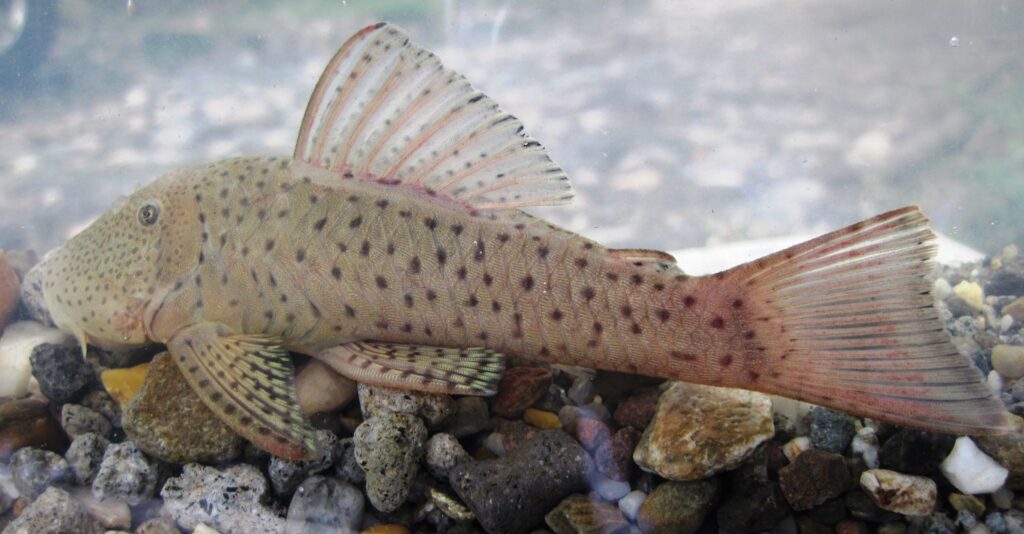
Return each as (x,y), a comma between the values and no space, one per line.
(472,371)
(248,381)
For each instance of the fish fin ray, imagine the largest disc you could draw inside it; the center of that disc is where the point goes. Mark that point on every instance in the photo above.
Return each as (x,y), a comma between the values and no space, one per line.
(641,257)
(846,320)
(248,382)
(387,110)
(469,371)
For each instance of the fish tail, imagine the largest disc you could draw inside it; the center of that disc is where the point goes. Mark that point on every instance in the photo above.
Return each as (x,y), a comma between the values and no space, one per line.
(847,320)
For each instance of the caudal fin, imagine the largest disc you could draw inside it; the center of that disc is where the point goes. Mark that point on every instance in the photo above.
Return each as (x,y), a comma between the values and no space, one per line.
(847,320)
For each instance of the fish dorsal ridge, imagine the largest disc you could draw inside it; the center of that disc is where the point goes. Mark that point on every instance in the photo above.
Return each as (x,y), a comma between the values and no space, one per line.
(388,111)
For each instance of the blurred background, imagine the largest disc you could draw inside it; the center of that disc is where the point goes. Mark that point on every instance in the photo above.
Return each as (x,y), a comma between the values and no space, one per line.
(681,123)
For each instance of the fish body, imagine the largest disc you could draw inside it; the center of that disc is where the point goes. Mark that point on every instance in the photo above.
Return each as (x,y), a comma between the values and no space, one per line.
(392,247)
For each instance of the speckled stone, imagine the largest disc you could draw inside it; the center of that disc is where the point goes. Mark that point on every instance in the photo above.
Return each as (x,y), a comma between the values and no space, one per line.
(54,512)
(896,492)
(77,419)
(125,474)
(434,408)
(1008,450)
(614,458)
(638,410)
(167,420)
(32,470)
(443,452)
(346,466)
(813,478)
(85,456)
(577,514)
(388,448)
(678,507)
(698,431)
(592,433)
(62,373)
(830,430)
(229,500)
(512,494)
(158,525)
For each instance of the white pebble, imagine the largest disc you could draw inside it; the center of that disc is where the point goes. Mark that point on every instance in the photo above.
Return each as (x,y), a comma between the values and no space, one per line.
(1003,498)
(630,504)
(1006,323)
(971,293)
(994,383)
(865,443)
(203,528)
(795,446)
(972,471)
(900,493)
(980,528)
(15,348)
(494,443)
(1008,360)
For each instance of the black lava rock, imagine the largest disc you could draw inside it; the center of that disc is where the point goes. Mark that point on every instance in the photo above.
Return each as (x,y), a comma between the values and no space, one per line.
(513,493)
(830,430)
(914,452)
(62,373)
(813,478)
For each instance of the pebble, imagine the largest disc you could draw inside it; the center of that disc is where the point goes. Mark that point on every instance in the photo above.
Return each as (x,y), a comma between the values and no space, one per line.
(1003,498)
(698,431)
(286,475)
(1008,451)
(972,471)
(830,430)
(753,504)
(443,452)
(914,452)
(614,457)
(28,423)
(678,507)
(85,456)
(967,503)
(582,390)
(971,293)
(158,525)
(322,389)
(101,402)
(386,529)
(1005,324)
(592,433)
(813,478)
(16,346)
(54,512)
(123,384)
(434,408)
(862,506)
(346,466)
(179,432)
(9,290)
(471,416)
(126,474)
(112,514)
(637,410)
(62,373)
(1015,310)
(513,432)
(1008,360)
(865,443)
(905,494)
(631,503)
(578,513)
(541,419)
(608,489)
(518,389)
(77,419)
(1005,282)
(229,500)
(388,448)
(32,470)
(512,494)
(323,505)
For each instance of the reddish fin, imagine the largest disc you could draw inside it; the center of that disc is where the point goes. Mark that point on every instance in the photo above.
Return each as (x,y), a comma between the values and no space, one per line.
(847,320)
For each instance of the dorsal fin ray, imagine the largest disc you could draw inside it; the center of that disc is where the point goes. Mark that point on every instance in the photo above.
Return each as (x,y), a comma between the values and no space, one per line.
(387,110)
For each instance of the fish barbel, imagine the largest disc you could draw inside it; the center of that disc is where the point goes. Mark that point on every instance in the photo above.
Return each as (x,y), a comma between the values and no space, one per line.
(392,247)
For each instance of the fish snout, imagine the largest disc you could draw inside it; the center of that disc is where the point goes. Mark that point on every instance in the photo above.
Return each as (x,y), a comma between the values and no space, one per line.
(32,295)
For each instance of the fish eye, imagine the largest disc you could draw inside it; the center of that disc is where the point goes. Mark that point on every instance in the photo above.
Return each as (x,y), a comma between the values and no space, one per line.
(148,213)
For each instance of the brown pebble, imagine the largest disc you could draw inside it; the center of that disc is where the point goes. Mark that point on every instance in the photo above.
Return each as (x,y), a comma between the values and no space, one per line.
(519,389)
(592,433)
(638,410)
(614,458)
(847,526)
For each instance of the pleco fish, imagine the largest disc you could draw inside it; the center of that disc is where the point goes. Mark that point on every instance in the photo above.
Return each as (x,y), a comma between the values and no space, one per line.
(391,246)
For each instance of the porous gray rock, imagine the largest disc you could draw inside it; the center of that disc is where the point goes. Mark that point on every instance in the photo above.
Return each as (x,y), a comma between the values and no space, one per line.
(813,478)
(63,375)
(55,511)
(346,466)
(324,505)
(77,419)
(286,475)
(125,474)
(85,456)
(443,453)
(229,500)
(830,430)
(512,494)
(471,416)
(100,401)
(32,470)
(388,448)
(434,408)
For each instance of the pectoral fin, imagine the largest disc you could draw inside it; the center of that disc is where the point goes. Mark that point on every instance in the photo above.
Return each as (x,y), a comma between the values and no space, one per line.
(473,371)
(248,381)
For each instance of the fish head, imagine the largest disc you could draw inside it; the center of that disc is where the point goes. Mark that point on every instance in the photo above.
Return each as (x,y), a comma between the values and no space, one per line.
(99,285)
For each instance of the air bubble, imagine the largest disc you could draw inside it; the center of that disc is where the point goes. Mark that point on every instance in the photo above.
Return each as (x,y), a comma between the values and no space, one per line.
(954,41)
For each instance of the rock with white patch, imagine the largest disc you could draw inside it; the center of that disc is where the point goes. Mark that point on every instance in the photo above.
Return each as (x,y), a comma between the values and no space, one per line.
(905,494)
(388,448)
(16,346)
(230,500)
(125,474)
(55,511)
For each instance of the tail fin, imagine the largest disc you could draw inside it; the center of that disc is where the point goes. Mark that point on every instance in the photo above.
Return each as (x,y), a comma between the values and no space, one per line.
(854,320)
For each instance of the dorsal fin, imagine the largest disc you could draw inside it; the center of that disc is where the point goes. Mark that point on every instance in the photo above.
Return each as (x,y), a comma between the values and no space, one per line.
(387,110)
(641,257)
